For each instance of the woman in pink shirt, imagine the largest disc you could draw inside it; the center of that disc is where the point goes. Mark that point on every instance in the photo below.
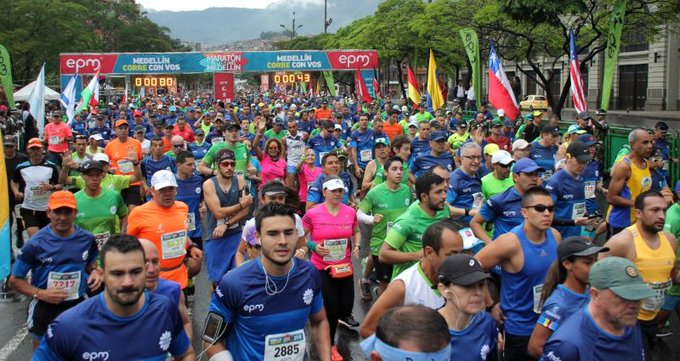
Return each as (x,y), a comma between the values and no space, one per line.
(334,231)
(307,173)
(273,164)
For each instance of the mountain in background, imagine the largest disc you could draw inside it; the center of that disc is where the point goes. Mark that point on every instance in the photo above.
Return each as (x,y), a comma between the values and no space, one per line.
(214,26)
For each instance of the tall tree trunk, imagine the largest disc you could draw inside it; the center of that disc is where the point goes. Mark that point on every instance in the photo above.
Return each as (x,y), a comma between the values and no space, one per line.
(401,81)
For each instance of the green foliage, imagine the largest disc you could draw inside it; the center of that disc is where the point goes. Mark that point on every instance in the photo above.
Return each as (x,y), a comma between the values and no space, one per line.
(36,31)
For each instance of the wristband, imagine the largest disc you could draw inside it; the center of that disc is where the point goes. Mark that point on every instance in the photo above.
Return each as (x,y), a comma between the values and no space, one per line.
(312,246)
(467,212)
(35,295)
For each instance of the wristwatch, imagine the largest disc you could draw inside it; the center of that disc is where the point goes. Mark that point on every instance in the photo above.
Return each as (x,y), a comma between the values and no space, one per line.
(467,212)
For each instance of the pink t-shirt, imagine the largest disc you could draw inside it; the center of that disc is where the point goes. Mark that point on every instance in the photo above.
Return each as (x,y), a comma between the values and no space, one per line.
(57,137)
(307,177)
(272,170)
(333,232)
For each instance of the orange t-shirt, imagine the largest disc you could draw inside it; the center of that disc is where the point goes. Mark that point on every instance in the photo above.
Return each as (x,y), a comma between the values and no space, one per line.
(118,153)
(167,229)
(392,130)
(167,144)
(323,114)
(57,136)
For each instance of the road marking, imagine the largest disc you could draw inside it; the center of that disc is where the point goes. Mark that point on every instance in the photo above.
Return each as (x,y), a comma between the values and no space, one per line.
(12,345)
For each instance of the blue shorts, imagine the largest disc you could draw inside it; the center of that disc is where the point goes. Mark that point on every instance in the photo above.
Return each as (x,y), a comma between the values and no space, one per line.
(219,255)
(671,302)
(291,169)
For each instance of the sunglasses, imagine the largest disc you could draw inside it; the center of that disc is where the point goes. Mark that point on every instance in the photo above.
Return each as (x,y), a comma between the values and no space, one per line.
(504,165)
(178,145)
(228,164)
(540,208)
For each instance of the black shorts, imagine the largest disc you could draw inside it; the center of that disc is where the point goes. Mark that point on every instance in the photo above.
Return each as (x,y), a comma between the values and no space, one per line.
(132,196)
(383,271)
(32,218)
(41,314)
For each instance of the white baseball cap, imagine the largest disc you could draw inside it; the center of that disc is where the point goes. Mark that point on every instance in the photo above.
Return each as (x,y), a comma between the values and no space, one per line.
(501,112)
(101,157)
(334,184)
(520,144)
(502,157)
(163,178)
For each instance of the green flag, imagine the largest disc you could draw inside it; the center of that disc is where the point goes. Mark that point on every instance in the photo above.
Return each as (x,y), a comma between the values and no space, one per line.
(471,43)
(330,84)
(6,76)
(612,51)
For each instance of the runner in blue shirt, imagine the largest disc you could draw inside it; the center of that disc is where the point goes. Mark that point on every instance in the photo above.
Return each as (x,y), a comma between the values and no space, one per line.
(437,156)
(462,282)
(61,258)
(465,187)
(156,161)
(190,191)
(200,147)
(125,322)
(323,142)
(606,329)
(591,175)
(260,309)
(361,142)
(566,288)
(504,210)
(567,188)
(525,255)
(421,143)
(544,150)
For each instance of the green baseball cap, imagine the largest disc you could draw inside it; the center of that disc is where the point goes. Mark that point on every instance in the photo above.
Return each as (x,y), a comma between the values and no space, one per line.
(621,276)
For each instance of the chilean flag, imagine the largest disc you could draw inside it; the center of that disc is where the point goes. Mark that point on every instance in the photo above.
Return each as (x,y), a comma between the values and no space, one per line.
(360,86)
(500,91)
(577,91)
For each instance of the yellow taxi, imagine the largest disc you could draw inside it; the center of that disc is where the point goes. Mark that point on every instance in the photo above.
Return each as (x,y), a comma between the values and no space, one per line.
(531,102)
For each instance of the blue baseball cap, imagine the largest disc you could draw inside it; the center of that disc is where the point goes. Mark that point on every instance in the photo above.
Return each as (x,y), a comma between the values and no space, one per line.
(527,165)
(508,123)
(588,139)
(438,135)
(172,108)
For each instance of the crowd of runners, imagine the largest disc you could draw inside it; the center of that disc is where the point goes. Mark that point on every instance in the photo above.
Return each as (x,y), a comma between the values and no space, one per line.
(480,239)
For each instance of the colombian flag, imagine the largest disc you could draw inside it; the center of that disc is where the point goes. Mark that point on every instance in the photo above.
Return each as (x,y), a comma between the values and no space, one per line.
(5,243)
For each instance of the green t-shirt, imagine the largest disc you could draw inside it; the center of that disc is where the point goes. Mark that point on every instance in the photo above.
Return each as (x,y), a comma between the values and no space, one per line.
(672,226)
(424,117)
(407,232)
(380,177)
(171,154)
(456,140)
(114,182)
(99,215)
(280,136)
(391,204)
(240,152)
(491,185)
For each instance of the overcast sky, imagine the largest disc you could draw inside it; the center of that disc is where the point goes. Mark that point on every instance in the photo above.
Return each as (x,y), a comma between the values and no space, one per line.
(180,5)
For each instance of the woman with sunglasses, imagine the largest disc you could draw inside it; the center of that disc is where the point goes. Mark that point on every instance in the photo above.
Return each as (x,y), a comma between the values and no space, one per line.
(333,231)
(462,283)
(565,290)
(272,161)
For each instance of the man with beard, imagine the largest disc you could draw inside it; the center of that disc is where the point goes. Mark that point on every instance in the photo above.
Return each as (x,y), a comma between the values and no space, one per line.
(163,221)
(280,310)
(125,322)
(61,258)
(653,252)
(403,246)
(524,255)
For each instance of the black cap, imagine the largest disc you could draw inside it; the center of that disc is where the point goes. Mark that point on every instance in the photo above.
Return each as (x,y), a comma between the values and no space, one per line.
(273,187)
(579,150)
(393,112)
(584,115)
(230,125)
(662,127)
(90,165)
(199,132)
(169,125)
(577,246)
(139,129)
(9,140)
(550,129)
(225,154)
(461,269)
(461,124)
(158,123)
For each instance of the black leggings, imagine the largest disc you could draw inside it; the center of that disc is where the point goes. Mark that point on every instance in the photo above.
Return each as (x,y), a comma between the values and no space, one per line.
(338,299)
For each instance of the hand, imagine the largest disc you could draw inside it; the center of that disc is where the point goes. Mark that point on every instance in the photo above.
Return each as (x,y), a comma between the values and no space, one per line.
(195,253)
(54,296)
(18,196)
(94,281)
(261,127)
(219,231)
(473,212)
(246,201)
(498,315)
(300,253)
(359,173)
(45,187)
(355,251)
(584,221)
(67,161)
(132,156)
(321,251)
(377,218)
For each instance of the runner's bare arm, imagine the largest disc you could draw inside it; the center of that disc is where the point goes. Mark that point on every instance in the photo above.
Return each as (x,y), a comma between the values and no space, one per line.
(476,224)
(190,355)
(184,312)
(620,245)
(205,169)
(392,297)
(390,255)
(213,203)
(620,175)
(321,334)
(498,251)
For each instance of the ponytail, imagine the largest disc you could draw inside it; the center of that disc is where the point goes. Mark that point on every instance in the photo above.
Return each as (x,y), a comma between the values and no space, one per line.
(556,275)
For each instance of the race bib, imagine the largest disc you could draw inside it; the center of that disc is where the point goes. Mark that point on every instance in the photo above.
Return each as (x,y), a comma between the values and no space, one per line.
(125,166)
(537,297)
(191,222)
(67,281)
(366,155)
(665,165)
(217,140)
(337,249)
(289,346)
(477,200)
(546,175)
(655,302)
(321,154)
(101,238)
(40,194)
(579,210)
(54,140)
(590,189)
(172,244)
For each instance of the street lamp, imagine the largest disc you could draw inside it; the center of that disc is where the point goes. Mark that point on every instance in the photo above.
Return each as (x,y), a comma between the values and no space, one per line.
(327,21)
(293,30)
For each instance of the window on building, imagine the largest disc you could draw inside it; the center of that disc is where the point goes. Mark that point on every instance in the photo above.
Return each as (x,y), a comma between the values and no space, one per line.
(632,40)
